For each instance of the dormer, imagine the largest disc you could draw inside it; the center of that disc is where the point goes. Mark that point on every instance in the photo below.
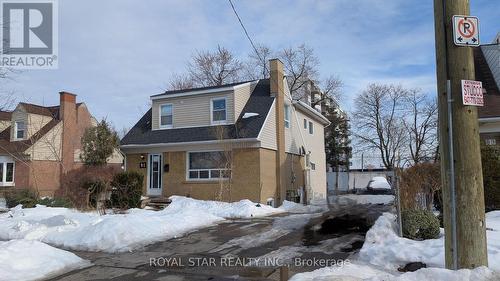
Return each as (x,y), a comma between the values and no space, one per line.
(200,107)
(28,119)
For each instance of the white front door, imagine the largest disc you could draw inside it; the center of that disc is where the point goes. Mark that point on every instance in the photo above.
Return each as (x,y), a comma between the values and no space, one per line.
(155,174)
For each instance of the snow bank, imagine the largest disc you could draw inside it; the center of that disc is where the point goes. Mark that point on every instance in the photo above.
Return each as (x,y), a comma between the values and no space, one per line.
(241,209)
(364,199)
(71,229)
(33,260)
(292,207)
(379,183)
(365,272)
(383,247)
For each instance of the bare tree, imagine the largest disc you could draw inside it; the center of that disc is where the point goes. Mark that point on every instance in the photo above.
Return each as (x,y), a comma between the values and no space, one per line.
(214,68)
(301,66)
(331,88)
(180,82)
(421,125)
(257,65)
(378,118)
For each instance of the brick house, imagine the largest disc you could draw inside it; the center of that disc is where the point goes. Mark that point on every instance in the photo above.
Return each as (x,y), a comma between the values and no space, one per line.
(247,140)
(39,144)
(487,70)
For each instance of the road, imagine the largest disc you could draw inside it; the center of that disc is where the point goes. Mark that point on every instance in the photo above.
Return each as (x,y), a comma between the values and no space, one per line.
(245,249)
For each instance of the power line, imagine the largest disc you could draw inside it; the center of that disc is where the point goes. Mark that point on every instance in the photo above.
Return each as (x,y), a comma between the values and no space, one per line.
(245,30)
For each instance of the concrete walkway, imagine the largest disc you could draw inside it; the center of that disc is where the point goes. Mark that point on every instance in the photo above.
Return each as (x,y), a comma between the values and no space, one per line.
(249,249)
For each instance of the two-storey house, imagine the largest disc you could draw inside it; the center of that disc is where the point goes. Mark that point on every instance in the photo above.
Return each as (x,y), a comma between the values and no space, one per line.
(247,140)
(39,144)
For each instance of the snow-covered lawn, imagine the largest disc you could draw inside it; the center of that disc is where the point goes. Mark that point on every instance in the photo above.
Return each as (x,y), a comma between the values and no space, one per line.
(364,199)
(384,251)
(33,260)
(87,231)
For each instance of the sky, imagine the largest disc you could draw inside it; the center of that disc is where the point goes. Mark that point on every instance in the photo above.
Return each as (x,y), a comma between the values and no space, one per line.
(114,54)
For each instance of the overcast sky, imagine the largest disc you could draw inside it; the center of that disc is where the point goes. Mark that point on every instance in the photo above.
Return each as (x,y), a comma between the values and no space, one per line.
(115,54)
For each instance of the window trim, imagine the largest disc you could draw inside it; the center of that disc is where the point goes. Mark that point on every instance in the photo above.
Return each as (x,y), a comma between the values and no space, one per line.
(16,129)
(4,174)
(159,116)
(219,122)
(209,179)
(287,111)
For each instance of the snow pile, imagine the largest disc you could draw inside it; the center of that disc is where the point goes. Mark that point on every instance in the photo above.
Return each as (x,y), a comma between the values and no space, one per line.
(364,199)
(33,260)
(292,207)
(383,247)
(365,272)
(71,229)
(240,209)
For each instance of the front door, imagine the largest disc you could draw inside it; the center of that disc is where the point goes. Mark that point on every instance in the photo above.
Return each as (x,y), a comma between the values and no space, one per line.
(154,174)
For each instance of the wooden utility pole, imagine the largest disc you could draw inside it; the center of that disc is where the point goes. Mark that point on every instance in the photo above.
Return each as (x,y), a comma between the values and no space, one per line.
(455,64)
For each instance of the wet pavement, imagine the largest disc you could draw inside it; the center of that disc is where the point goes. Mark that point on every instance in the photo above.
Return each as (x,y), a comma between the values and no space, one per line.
(244,249)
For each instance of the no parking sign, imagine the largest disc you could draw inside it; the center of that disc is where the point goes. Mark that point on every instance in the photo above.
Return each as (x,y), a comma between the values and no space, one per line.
(466,31)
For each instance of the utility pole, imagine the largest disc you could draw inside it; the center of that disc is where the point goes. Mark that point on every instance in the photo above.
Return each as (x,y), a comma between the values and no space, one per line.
(461,171)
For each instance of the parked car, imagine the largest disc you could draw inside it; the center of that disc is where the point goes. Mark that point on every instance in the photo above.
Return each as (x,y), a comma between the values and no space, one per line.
(379,185)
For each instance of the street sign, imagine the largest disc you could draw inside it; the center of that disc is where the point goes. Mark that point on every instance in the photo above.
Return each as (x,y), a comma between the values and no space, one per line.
(472,92)
(466,31)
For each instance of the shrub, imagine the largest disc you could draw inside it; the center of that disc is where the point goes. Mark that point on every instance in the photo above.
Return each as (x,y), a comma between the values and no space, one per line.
(420,224)
(420,179)
(127,190)
(27,198)
(56,202)
(490,157)
(94,187)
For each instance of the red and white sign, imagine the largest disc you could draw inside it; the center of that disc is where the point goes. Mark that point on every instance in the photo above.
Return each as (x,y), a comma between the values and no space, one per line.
(472,92)
(466,31)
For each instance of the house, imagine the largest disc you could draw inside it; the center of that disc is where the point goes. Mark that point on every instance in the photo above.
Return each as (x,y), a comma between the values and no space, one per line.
(247,140)
(39,144)
(487,70)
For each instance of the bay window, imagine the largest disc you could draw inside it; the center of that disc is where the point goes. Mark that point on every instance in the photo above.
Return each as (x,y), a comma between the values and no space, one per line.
(208,165)
(219,113)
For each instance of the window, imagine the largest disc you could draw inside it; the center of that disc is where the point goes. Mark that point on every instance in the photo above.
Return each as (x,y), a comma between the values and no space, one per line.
(219,111)
(166,116)
(20,129)
(208,165)
(6,173)
(311,128)
(287,116)
(491,142)
(305,123)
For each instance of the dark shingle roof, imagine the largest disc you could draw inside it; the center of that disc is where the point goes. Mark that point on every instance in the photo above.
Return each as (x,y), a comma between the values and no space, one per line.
(259,102)
(484,74)
(200,89)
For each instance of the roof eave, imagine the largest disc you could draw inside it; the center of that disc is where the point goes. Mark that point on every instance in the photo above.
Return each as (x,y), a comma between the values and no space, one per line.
(152,145)
(314,113)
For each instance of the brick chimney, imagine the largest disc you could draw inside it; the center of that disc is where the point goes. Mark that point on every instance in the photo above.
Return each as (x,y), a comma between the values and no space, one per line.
(67,113)
(277,91)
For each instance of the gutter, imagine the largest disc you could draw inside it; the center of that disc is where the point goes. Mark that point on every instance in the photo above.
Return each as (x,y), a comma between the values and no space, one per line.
(489,119)
(313,112)
(199,92)
(188,143)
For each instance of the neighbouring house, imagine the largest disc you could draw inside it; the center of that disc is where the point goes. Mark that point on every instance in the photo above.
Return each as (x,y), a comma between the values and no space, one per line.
(39,144)
(487,69)
(247,140)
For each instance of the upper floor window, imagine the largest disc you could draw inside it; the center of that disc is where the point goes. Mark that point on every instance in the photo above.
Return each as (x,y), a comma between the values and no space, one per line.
(20,130)
(287,116)
(305,123)
(219,112)
(311,128)
(166,116)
